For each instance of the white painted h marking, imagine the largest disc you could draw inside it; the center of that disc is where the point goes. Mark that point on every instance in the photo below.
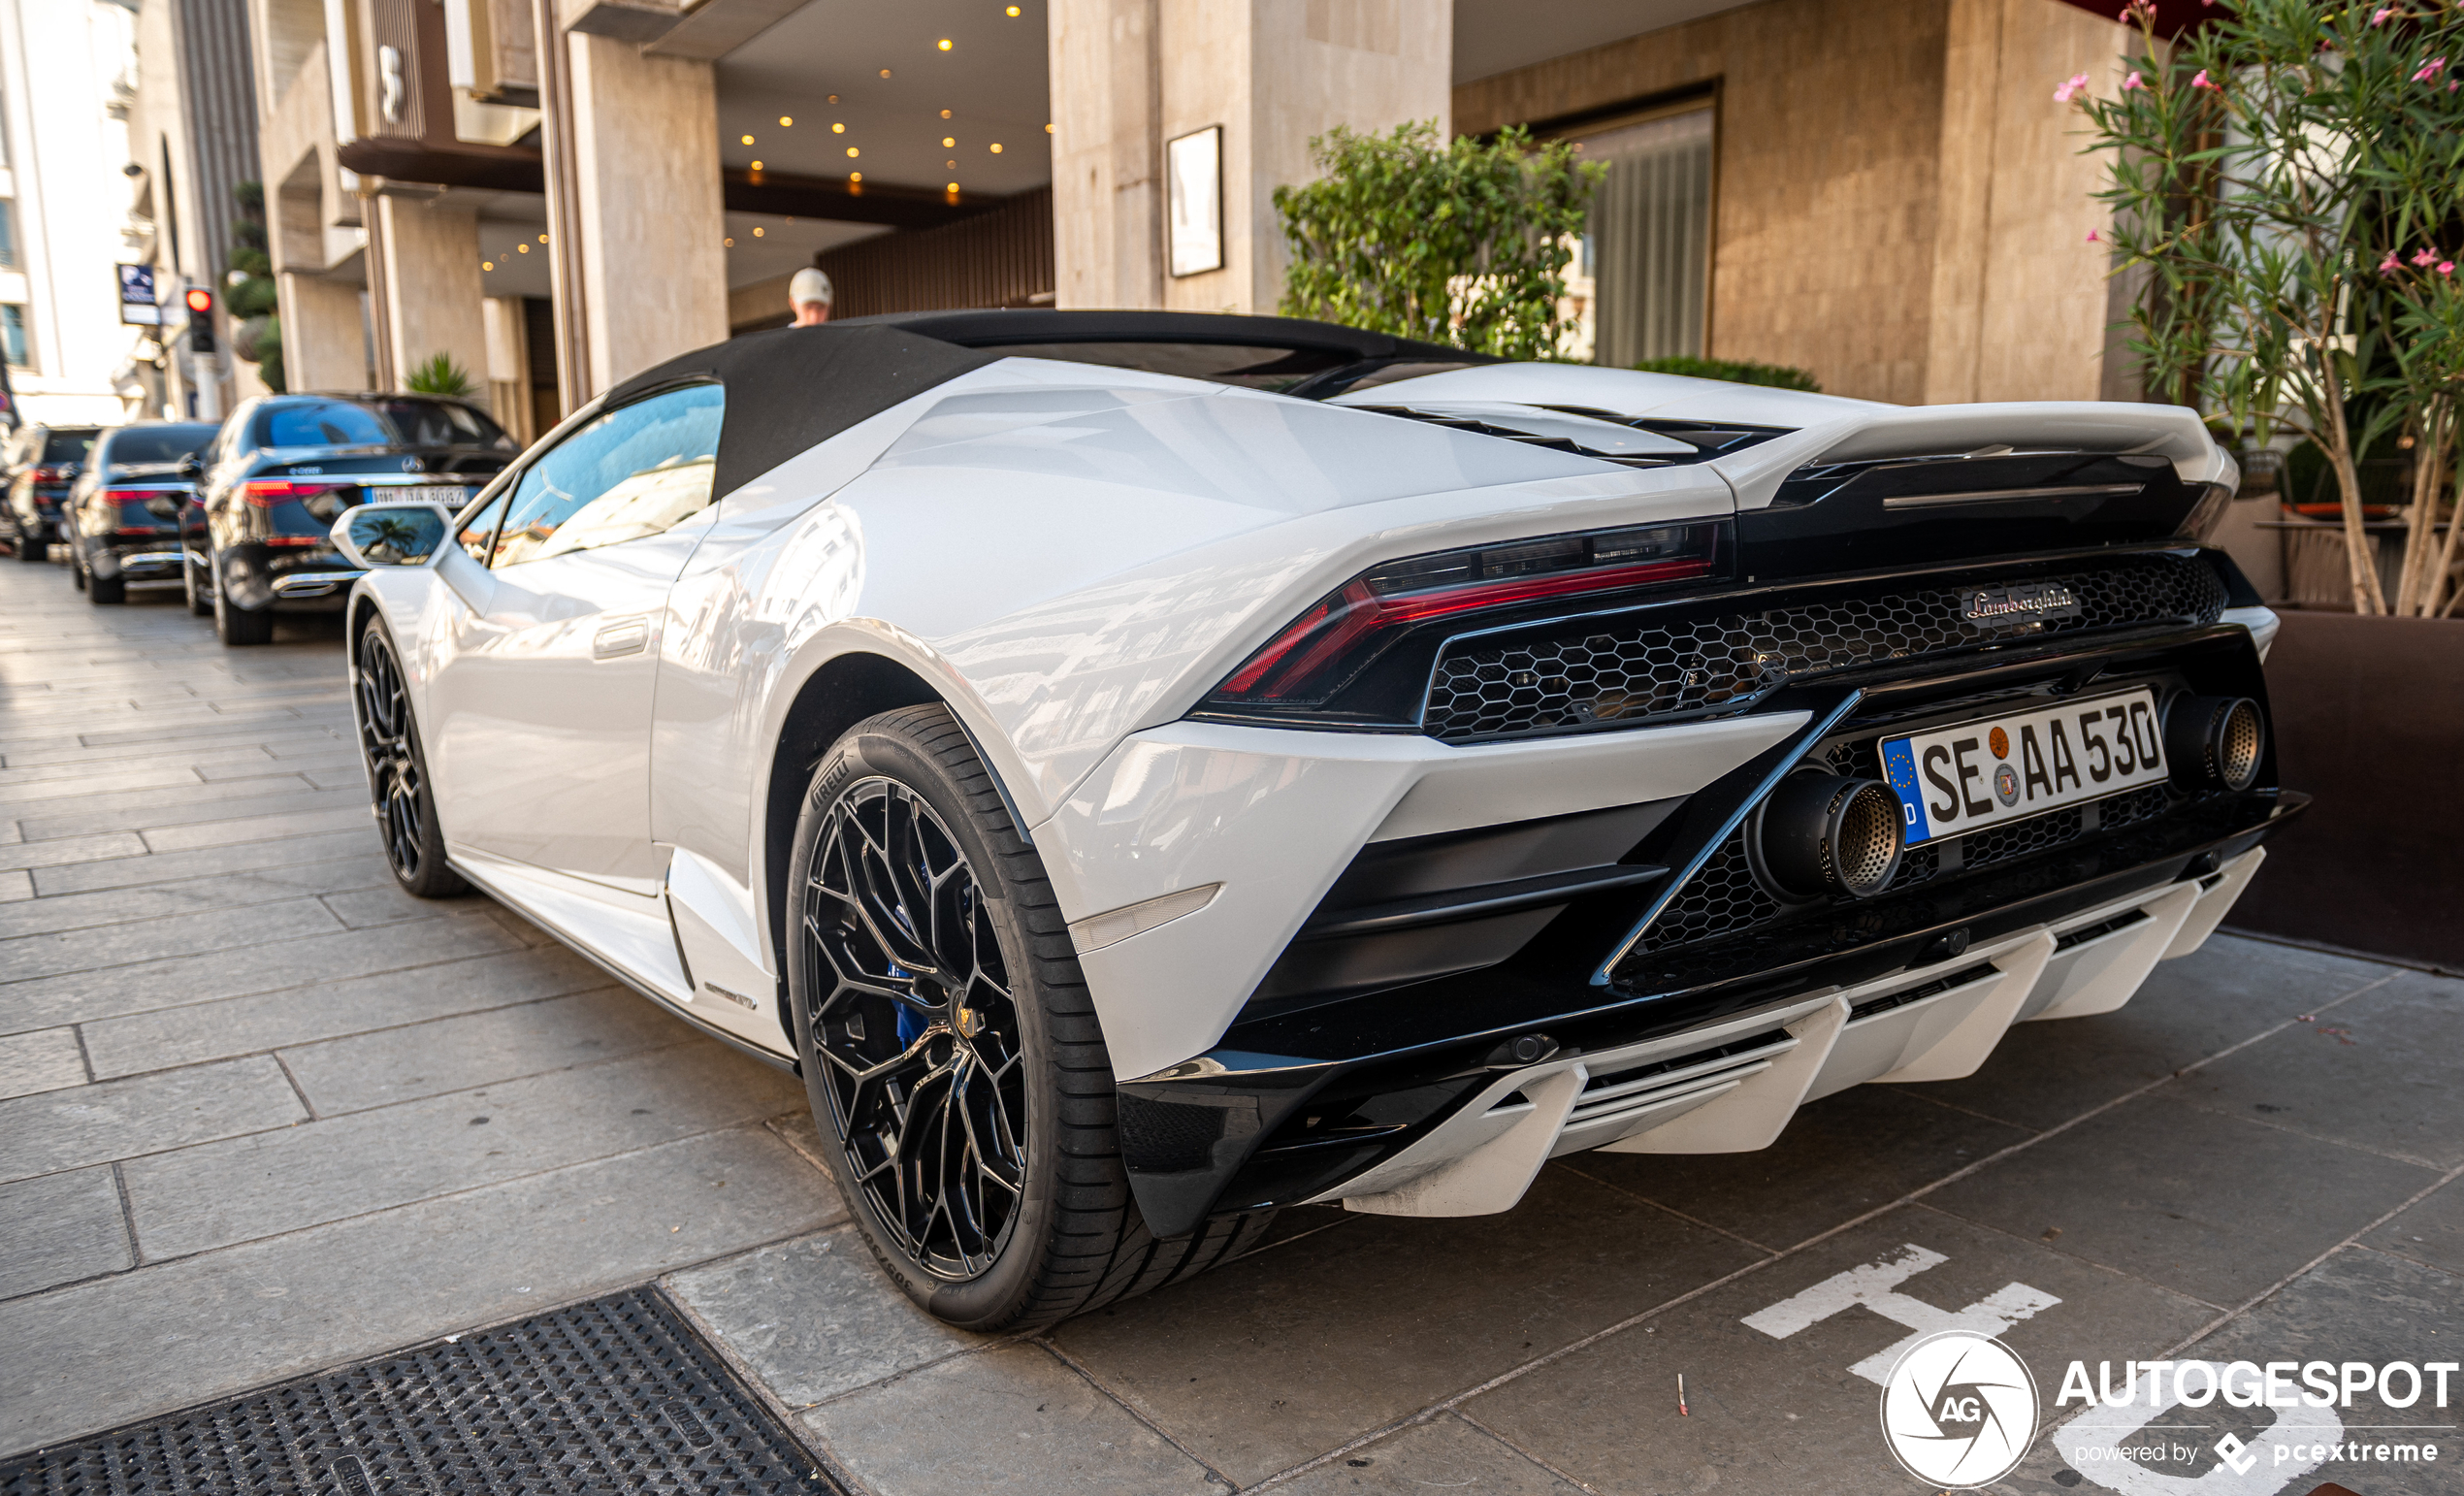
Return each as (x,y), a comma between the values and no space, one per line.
(1877,1285)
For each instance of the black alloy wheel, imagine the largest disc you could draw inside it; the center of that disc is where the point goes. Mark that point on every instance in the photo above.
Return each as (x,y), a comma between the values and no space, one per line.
(918,1028)
(398,772)
(953,1059)
(237,625)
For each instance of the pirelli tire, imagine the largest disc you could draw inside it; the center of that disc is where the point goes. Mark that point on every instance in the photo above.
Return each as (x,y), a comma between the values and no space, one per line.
(948,1043)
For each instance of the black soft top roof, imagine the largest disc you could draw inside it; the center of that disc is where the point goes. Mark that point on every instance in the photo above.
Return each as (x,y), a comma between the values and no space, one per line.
(790,387)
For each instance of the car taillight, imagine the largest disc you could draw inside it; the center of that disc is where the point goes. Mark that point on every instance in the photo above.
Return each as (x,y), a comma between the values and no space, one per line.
(50,474)
(132,502)
(266,493)
(1328,646)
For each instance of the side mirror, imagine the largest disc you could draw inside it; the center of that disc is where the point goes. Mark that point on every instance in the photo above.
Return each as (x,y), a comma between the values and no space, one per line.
(393,535)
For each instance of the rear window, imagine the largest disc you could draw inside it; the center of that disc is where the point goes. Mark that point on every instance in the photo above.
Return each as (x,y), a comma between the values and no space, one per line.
(68,446)
(400,422)
(156,444)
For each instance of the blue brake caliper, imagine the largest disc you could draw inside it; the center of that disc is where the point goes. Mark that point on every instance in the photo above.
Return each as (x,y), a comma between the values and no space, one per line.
(911,1024)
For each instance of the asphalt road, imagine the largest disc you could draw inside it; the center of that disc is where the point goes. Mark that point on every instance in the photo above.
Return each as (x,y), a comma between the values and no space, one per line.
(261,1114)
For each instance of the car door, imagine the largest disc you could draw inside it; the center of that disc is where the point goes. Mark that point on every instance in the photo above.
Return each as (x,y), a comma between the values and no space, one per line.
(541,701)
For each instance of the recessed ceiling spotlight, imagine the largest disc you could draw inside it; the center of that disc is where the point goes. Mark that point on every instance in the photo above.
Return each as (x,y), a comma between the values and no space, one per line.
(756,166)
(945,113)
(1014,10)
(487,264)
(756,233)
(838,129)
(952,165)
(1048,129)
(853,151)
(728,244)
(786,120)
(854,177)
(744,140)
(885,72)
(953,186)
(522,248)
(834,98)
(943,44)
(996,148)
(543,239)
(948,141)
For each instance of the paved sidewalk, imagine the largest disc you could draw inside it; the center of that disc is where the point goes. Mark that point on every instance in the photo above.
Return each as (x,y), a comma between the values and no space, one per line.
(259,1111)
(261,1114)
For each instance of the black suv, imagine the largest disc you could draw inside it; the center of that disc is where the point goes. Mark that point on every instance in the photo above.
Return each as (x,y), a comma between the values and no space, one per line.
(43,462)
(123,516)
(285,466)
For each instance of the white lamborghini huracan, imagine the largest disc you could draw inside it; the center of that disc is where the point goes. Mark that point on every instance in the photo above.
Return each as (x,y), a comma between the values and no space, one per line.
(1144,769)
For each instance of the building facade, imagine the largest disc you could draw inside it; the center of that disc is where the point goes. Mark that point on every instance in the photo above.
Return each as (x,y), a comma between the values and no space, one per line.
(553,194)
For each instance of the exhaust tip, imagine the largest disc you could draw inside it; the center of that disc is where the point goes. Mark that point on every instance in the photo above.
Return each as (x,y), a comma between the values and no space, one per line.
(2215,741)
(1821,833)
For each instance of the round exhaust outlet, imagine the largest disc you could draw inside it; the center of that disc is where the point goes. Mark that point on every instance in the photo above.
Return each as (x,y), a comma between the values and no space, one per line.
(1820,833)
(2214,740)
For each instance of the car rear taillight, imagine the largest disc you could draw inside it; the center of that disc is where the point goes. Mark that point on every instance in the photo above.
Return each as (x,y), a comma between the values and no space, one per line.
(136,519)
(266,493)
(1328,646)
(53,475)
(283,511)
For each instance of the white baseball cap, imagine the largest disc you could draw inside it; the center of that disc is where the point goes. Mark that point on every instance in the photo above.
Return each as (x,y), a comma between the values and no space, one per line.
(809,286)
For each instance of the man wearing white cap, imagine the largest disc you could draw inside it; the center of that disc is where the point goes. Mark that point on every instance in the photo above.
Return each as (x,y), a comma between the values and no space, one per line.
(809,292)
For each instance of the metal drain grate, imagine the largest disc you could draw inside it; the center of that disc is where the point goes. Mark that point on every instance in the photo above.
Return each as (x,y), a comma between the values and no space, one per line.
(613,1396)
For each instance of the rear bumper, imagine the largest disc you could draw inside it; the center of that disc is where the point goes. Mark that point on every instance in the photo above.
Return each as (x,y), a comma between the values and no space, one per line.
(1440,1117)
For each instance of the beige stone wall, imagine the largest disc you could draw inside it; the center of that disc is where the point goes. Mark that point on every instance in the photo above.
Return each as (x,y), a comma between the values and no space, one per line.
(1899,209)
(434,291)
(654,267)
(323,347)
(1130,75)
(2018,291)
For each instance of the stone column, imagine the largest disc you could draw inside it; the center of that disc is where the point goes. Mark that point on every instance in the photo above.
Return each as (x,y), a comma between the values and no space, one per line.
(1127,76)
(647,198)
(322,345)
(432,288)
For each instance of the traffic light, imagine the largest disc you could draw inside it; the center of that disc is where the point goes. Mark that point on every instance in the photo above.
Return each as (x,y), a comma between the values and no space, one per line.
(200,320)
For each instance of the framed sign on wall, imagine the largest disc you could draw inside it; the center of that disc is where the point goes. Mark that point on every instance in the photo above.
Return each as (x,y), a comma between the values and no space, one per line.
(1193,171)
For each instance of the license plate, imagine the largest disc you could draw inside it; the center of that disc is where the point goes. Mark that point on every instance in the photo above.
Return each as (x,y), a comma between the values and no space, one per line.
(451,495)
(2000,770)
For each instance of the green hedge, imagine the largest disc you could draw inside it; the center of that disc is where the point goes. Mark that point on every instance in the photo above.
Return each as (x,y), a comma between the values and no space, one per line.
(1734,372)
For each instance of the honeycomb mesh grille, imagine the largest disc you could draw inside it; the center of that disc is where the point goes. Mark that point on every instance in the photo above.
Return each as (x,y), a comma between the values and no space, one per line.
(1726,898)
(1645,671)
(612,1395)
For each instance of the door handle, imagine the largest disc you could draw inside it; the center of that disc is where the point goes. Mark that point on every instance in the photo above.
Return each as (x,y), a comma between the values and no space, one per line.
(626,636)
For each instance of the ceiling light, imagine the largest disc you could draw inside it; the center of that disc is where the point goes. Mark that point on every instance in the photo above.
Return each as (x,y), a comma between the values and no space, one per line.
(854,177)
(953,186)
(756,233)
(945,113)
(1014,10)
(728,243)
(885,72)
(522,248)
(952,165)
(853,151)
(1048,129)
(487,264)
(543,239)
(948,141)
(996,148)
(834,98)
(785,121)
(745,140)
(756,166)
(943,44)
(838,129)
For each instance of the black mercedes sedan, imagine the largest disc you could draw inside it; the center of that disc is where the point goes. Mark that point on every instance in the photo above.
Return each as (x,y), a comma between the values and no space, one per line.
(286,466)
(123,518)
(43,461)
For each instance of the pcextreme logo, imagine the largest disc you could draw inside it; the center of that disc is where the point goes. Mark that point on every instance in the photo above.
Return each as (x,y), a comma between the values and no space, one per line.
(1959,1409)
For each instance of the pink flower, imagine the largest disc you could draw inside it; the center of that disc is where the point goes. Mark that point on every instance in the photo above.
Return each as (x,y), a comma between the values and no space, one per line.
(2447,267)
(2204,82)
(2134,80)
(2430,70)
(2093,238)
(2390,263)
(2423,257)
(2077,85)
(2381,17)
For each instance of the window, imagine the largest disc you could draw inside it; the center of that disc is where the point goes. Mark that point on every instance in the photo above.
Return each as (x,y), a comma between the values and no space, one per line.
(634,472)
(13,336)
(69,444)
(8,236)
(1643,277)
(380,423)
(156,444)
(479,535)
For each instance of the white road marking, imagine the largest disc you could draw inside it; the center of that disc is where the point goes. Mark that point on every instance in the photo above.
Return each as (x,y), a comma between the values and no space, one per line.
(1877,1285)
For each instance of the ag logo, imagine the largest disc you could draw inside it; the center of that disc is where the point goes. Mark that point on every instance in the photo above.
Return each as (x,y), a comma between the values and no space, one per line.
(1959,1409)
